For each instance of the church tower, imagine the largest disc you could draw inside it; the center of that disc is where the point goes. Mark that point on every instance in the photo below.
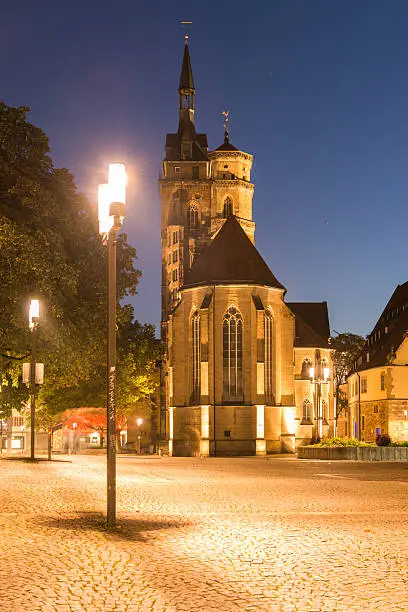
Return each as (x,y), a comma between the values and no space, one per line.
(199,189)
(229,340)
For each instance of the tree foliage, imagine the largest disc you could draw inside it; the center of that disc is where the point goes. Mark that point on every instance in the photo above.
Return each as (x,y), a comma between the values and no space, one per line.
(50,250)
(346,347)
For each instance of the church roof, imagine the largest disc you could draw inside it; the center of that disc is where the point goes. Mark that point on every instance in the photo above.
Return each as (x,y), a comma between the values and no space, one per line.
(312,327)
(226,145)
(186,76)
(230,258)
(198,151)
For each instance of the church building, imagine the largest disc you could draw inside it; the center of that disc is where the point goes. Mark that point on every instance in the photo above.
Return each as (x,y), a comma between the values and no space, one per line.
(244,372)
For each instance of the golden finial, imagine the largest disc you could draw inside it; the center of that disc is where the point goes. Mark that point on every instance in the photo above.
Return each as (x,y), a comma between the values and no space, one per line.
(186,24)
(226,125)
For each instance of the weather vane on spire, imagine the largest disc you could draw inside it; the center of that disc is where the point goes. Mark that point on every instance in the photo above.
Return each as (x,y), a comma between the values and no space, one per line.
(226,125)
(186,24)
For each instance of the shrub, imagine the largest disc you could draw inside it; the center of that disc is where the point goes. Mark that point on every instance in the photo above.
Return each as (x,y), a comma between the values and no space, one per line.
(337,441)
(383,440)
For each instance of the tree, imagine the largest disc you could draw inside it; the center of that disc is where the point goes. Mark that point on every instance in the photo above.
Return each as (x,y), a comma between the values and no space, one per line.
(50,249)
(347,348)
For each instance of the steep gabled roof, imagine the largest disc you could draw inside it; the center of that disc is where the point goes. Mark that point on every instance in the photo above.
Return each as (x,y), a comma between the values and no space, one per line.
(388,333)
(230,258)
(312,327)
(186,76)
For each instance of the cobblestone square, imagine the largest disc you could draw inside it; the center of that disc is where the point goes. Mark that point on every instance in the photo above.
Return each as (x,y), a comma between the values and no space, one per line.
(271,534)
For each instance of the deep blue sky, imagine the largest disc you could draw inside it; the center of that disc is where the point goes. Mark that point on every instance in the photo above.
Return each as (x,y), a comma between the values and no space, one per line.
(317,90)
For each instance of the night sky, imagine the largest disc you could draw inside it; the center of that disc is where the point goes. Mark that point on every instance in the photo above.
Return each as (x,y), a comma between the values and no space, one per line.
(317,91)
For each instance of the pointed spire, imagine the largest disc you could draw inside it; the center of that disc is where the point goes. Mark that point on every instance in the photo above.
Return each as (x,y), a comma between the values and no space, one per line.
(186,76)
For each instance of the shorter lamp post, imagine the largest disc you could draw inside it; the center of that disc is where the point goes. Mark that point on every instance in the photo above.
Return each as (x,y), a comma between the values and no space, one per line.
(318,381)
(139,435)
(111,212)
(33,316)
(1,431)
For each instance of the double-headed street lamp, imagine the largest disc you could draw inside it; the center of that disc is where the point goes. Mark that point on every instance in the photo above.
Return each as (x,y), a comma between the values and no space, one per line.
(318,380)
(111,212)
(33,316)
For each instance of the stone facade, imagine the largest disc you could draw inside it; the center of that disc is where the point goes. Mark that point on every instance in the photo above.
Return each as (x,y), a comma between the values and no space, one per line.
(232,377)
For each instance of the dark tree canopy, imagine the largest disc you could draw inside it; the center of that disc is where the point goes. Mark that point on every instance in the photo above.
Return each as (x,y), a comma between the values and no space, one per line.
(346,347)
(50,249)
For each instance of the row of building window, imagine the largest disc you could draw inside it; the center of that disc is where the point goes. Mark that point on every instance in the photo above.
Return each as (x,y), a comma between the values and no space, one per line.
(364,385)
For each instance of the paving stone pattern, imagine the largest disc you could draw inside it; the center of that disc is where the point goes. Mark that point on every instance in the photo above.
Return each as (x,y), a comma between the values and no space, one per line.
(270,534)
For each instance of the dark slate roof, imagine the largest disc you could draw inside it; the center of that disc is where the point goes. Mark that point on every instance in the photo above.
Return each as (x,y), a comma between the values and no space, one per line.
(388,333)
(226,145)
(230,258)
(311,324)
(199,147)
(186,76)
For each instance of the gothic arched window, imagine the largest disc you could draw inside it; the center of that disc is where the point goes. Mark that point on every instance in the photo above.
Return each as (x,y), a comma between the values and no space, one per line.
(232,355)
(192,216)
(268,329)
(228,208)
(325,413)
(307,411)
(195,346)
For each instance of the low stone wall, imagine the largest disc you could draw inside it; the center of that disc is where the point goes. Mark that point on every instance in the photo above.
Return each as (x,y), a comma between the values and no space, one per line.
(354,453)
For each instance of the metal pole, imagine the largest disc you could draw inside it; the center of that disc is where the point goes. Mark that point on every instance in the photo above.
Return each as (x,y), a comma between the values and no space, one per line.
(111,381)
(319,408)
(1,435)
(32,380)
(214,385)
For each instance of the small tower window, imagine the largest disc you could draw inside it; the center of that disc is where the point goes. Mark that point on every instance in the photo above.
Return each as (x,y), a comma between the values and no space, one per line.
(196,172)
(228,208)
(192,216)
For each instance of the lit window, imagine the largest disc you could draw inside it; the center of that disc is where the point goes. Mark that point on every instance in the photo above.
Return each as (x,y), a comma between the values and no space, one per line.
(175,237)
(175,256)
(177,169)
(363,384)
(268,330)
(228,207)
(232,355)
(175,275)
(195,336)
(375,410)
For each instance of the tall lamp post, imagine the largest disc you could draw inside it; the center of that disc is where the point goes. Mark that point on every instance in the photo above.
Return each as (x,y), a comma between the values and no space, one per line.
(111,212)
(317,379)
(1,431)
(33,316)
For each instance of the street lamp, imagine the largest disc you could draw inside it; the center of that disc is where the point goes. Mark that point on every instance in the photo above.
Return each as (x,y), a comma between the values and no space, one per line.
(111,212)
(318,380)
(33,316)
